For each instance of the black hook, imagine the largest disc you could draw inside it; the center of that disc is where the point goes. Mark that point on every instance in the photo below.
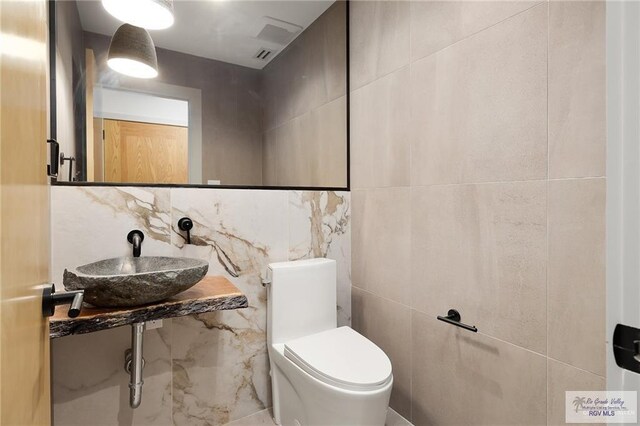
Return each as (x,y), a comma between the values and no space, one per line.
(186,224)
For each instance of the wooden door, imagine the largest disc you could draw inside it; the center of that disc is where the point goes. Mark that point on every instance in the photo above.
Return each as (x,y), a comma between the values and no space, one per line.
(24,214)
(145,153)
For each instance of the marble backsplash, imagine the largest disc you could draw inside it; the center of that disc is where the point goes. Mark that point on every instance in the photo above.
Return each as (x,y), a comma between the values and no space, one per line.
(204,369)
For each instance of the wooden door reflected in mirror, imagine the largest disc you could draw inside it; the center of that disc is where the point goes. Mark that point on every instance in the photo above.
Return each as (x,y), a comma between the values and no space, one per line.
(137,152)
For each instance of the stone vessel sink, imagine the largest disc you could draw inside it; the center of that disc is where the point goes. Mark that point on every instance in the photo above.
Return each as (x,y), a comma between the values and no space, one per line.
(133,281)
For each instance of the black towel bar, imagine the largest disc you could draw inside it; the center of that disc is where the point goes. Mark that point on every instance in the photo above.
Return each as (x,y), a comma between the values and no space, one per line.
(453,317)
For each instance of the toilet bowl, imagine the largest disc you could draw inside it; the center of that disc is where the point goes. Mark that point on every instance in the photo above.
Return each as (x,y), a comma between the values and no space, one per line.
(321,374)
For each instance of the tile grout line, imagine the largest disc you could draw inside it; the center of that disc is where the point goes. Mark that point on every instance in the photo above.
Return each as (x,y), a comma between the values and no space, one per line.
(411,60)
(488,336)
(497,182)
(411,366)
(410,106)
(547,231)
(250,415)
(171,367)
(381,297)
(566,364)
(539,3)
(171,331)
(427,314)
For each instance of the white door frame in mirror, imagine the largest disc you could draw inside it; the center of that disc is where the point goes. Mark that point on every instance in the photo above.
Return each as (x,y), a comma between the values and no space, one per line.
(194,98)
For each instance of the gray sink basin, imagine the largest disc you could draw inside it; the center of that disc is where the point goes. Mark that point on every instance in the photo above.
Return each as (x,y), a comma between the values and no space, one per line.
(133,281)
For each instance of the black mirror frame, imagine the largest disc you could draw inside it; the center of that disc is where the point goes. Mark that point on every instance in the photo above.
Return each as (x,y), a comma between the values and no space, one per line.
(53,124)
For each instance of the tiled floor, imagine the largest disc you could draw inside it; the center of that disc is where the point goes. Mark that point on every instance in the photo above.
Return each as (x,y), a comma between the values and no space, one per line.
(395,419)
(263,418)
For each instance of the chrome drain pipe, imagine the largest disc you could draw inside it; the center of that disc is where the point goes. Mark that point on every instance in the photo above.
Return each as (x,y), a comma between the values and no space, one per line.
(134,364)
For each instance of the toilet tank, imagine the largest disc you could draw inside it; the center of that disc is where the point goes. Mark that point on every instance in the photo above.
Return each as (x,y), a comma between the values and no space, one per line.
(301,298)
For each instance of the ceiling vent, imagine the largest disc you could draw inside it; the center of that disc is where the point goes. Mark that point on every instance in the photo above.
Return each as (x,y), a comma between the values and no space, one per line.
(264,54)
(278,31)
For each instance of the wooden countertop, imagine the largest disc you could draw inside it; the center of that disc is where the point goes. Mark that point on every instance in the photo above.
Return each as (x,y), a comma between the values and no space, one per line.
(210,294)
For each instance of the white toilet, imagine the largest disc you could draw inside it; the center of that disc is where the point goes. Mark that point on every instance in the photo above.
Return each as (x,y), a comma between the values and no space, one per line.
(321,374)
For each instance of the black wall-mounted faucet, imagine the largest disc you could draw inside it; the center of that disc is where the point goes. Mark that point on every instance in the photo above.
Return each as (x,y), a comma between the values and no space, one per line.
(136,237)
(186,224)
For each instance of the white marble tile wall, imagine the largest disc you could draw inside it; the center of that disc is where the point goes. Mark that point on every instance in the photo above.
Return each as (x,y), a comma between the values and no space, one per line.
(206,369)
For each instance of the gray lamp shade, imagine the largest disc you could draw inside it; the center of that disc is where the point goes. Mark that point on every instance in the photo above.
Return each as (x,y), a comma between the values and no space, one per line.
(132,52)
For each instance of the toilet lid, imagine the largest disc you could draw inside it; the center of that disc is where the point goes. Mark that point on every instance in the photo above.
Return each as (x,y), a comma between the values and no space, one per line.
(341,357)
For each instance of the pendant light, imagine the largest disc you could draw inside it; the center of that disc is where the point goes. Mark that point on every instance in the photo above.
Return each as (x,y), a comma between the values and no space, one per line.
(132,52)
(149,14)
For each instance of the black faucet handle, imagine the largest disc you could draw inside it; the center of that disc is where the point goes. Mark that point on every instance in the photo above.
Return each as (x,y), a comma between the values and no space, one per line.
(51,299)
(186,224)
(133,233)
(135,238)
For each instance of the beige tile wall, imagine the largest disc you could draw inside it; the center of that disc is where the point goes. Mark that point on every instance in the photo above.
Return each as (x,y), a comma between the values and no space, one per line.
(304,107)
(478,153)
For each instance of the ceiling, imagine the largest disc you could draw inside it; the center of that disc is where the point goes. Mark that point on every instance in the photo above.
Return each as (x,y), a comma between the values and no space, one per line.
(226,30)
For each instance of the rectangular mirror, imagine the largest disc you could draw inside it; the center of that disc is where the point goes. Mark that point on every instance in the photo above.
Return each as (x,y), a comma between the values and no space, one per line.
(247,93)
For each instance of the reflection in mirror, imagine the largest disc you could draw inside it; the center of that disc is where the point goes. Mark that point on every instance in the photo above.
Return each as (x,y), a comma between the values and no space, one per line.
(247,93)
